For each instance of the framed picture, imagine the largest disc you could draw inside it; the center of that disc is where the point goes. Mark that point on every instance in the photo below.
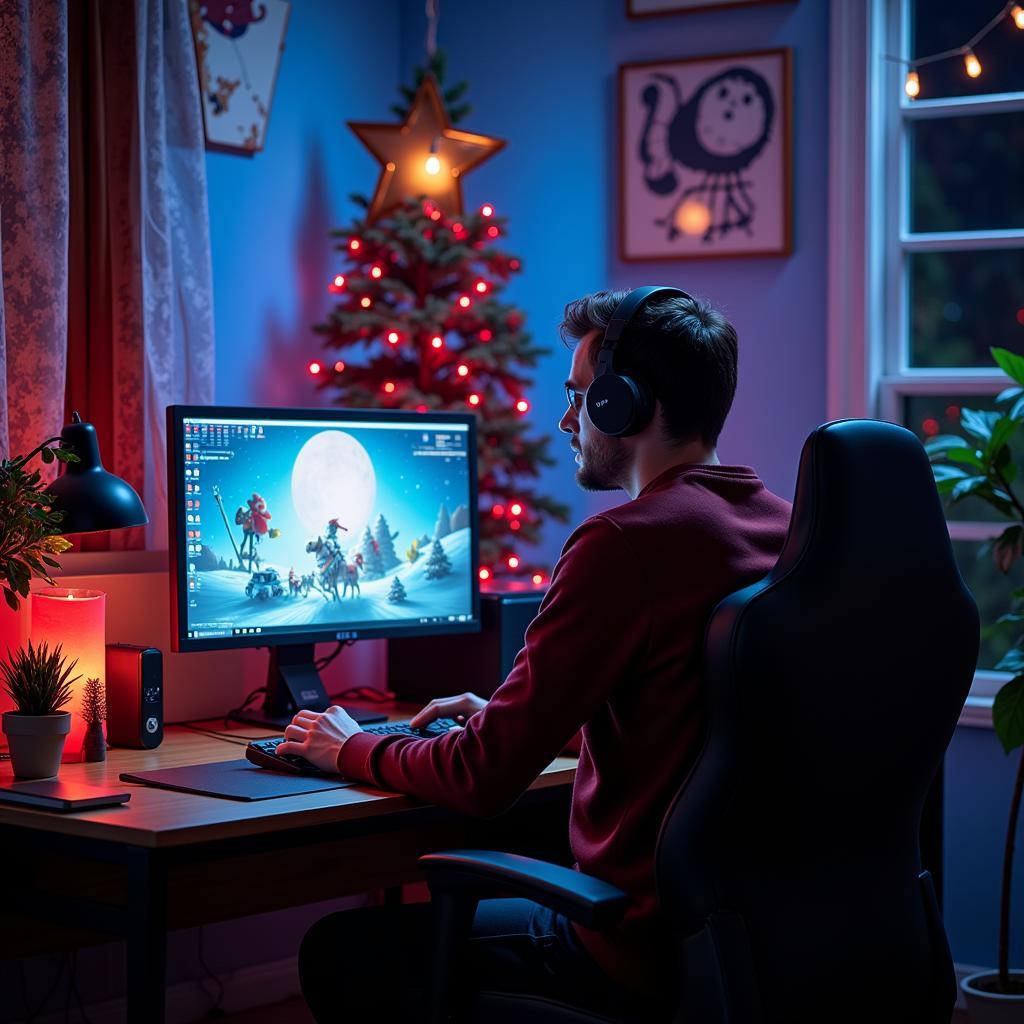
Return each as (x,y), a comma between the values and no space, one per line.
(238,49)
(656,8)
(704,157)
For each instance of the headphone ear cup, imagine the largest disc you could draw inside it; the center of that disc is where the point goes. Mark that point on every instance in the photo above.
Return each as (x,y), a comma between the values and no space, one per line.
(619,405)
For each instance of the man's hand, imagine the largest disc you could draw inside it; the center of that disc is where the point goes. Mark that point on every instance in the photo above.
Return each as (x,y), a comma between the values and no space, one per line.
(318,736)
(461,708)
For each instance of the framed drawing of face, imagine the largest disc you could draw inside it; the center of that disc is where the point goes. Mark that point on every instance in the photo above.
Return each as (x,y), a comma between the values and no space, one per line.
(705,157)
(238,49)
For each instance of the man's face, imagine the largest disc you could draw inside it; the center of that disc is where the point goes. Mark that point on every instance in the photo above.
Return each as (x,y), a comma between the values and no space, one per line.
(601,459)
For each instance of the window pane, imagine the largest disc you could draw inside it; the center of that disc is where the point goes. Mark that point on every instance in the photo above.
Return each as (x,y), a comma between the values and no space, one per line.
(943,26)
(991,590)
(963,303)
(966,172)
(928,415)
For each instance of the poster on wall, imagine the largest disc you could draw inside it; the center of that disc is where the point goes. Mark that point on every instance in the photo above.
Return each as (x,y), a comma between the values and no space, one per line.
(704,157)
(238,49)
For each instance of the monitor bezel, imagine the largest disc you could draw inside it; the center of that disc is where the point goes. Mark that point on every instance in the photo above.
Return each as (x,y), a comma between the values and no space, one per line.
(181,642)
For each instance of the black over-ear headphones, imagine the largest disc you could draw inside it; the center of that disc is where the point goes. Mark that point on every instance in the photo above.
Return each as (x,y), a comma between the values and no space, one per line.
(618,404)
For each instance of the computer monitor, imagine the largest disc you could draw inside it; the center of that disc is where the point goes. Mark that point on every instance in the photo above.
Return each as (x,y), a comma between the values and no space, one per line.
(290,527)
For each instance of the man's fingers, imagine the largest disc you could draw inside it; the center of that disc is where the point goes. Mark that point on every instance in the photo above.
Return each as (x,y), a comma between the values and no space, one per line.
(295,732)
(435,709)
(305,716)
(290,747)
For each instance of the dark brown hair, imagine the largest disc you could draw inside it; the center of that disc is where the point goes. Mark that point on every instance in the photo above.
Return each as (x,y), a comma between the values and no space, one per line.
(683,349)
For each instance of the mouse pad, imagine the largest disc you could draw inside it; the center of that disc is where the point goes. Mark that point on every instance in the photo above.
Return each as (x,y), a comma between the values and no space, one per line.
(236,780)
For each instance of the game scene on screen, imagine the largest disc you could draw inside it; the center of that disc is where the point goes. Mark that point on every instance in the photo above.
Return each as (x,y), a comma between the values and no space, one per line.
(293,525)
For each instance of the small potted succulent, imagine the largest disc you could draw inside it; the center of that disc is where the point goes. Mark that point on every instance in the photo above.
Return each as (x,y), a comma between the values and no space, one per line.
(39,682)
(981,465)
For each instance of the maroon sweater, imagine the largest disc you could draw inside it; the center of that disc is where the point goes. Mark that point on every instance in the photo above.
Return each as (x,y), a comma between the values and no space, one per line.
(615,649)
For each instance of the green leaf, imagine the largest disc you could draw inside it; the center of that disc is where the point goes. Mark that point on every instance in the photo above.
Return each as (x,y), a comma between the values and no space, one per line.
(47,455)
(1004,429)
(1010,363)
(1008,714)
(944,471)
(1017,412)
(1005,396)
(939,444)
(979,423)
(11,598)
(968,486)
(1011,661)
(968,455)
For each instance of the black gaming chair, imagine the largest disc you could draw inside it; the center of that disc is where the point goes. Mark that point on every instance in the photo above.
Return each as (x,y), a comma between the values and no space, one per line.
(789,864)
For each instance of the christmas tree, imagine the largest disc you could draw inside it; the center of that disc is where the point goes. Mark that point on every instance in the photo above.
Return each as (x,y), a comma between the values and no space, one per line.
(396,595)
(420,324)
(385,543)
(438,564)
(373,567)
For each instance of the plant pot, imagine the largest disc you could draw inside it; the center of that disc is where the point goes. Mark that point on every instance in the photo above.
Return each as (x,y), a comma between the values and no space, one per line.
(36,742)
(992,1007)
(95,746)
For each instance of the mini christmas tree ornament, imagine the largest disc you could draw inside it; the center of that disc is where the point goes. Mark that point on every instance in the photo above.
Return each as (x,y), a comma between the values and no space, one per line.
(94,712)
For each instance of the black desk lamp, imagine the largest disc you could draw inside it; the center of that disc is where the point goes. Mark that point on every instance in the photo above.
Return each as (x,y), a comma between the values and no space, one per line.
(91,498)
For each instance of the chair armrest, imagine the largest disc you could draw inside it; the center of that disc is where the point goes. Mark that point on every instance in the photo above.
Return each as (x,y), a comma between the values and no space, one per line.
(480,873)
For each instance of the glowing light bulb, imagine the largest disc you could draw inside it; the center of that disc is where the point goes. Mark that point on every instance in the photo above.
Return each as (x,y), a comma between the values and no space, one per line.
(432,165)
(492,231)
(487,210)
(366,302)
(464,301)
(462,370)
(392,337)
(376,271)
(1017,13)
(514,525)
(497,511)
(522,405)
(516,509)
(339,282)
(538,578)
(513,264)
(486,335)
(912,86)
(474,399)
(436,341)
(971,64)
(513,562)
(314,367)
(481,287)
(484,573)
(457,228)
(436,215)
(354,244)
(389,386)
(339,366)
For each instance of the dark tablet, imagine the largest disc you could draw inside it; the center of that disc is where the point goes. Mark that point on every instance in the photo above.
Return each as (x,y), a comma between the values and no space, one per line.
(55,795)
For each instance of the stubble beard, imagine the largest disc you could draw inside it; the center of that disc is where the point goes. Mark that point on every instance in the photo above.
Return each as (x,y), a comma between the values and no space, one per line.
(601,466)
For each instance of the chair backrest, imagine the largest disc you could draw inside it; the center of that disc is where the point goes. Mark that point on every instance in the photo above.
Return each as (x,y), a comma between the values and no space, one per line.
(789,863)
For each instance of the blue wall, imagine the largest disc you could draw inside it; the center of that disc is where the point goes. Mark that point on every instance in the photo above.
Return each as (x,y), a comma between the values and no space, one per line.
(270,213)
(543,76)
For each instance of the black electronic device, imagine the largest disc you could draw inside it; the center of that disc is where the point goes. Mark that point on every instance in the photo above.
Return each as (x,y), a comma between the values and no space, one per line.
(57,795)
(291,527)
(423,667)
(135,696)
(264,752)
(620,404)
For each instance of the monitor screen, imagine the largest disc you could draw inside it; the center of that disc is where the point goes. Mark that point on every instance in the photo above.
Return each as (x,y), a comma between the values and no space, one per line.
(298,526)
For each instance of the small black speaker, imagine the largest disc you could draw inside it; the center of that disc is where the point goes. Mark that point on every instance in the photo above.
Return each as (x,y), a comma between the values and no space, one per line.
(423,667)
(135,696)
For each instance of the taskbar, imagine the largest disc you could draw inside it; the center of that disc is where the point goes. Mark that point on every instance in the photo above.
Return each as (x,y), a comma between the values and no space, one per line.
(341,631)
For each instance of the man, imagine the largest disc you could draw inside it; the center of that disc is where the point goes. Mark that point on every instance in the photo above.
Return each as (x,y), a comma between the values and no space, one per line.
(615,650)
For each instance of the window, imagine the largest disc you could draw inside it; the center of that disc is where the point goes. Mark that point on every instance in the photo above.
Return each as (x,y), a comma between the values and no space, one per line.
(940,277)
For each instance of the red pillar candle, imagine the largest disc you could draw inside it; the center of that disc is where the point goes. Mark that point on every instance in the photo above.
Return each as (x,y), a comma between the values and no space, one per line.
(76,620)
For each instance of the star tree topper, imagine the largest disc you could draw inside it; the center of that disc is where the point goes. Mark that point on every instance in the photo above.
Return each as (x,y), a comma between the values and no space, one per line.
(404,150)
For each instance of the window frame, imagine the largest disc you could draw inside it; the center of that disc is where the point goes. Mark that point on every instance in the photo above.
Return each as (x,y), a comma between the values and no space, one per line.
(870,242)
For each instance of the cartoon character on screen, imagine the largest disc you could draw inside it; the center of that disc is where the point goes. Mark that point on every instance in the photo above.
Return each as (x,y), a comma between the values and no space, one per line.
(294,583)
(330,567)
(254,521)
(350,578)
(719,132)
(231,18)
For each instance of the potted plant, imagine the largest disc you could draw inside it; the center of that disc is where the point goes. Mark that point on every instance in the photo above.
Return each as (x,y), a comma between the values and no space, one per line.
(38,680)
(94,711)
(981,466)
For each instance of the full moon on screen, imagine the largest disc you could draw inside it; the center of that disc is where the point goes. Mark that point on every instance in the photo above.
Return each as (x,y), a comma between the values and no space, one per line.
(333,478)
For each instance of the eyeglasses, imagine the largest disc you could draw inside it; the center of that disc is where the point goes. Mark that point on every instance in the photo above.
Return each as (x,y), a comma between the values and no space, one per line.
(574,397)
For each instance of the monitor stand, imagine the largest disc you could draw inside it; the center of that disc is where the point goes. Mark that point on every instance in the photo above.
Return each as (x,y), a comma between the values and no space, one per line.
(294,684)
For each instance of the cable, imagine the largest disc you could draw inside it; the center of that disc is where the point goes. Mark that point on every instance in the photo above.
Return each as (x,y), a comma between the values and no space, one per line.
(321,663)
(236,740)
(215,1010)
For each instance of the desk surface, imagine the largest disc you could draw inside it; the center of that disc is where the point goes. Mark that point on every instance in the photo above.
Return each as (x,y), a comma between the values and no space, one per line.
(163,818)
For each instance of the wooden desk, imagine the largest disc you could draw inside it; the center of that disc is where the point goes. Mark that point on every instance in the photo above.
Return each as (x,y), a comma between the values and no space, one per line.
(171,860)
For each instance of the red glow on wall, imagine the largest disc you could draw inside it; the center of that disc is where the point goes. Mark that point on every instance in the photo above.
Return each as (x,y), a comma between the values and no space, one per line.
(930,427)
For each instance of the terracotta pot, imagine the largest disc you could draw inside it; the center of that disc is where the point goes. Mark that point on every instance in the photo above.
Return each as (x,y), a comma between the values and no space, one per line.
(36,742)
(991,1007)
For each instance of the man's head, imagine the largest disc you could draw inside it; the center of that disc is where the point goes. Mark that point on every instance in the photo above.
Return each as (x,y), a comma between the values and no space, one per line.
(683,349)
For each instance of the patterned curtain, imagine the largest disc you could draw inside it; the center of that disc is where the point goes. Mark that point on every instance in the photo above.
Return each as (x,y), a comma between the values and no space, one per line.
(33,221)
(177,279)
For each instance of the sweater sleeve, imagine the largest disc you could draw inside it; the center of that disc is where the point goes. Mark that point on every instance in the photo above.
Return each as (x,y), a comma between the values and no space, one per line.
(593,624)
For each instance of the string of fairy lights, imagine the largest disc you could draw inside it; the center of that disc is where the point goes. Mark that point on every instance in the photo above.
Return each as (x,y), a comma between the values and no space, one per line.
(972,65)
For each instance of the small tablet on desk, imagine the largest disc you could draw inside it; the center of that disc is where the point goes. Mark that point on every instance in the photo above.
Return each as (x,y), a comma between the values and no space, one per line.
(55,795)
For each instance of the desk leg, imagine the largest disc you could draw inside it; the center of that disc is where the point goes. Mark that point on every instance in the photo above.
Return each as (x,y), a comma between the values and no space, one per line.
(146,952)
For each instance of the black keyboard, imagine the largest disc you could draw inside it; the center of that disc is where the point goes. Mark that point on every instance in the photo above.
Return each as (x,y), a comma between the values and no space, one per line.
(262,752)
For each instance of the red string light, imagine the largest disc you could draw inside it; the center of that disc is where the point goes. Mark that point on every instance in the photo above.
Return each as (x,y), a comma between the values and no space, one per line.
(486,335)
(484,573)
(930,427)
(464,301)
(497,511)
(354,244)
(522,405)
(376,271)
(314,367)
(492,231)
(516,509)
(481,287)
(474,399)
(512,561)
(337,284)
(389,386)
(538,578)
(462,370)
(487,210)
(514,264)
(514,524)
(392,337)
(435,214)
(339,366)
(366,302)
(436,341)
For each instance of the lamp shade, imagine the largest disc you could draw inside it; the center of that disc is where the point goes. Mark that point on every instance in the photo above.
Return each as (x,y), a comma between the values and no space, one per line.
(90,497)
